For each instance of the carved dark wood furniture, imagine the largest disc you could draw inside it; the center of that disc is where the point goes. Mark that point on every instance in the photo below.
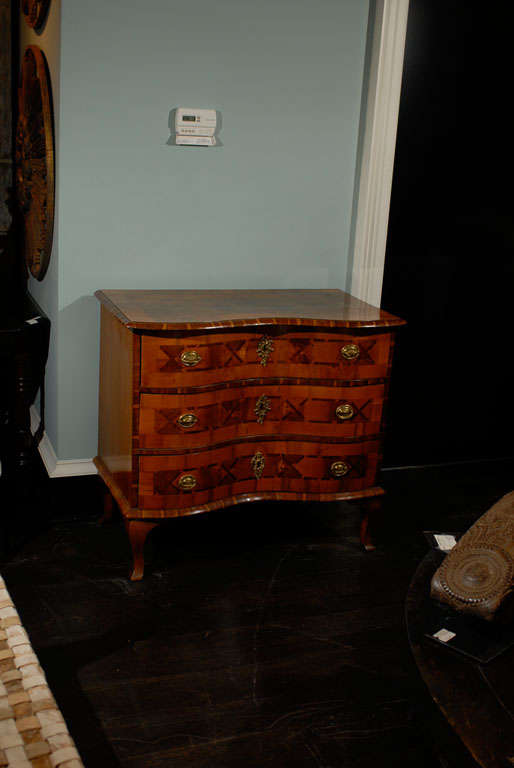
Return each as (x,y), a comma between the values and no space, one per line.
(477,575)
(34,161)
(24,328)
(25,227)
(23,353)
(212,398)
(35,12)
(476,699)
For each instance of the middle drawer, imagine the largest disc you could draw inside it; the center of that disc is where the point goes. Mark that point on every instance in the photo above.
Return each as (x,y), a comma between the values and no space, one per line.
(182,421)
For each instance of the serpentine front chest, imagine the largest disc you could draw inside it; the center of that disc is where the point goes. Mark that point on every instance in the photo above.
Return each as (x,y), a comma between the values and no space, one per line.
(211,398)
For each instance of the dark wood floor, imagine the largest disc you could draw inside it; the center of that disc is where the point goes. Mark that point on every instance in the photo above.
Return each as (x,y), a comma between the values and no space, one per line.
(261,636)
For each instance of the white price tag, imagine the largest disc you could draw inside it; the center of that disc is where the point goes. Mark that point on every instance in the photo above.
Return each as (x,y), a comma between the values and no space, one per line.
(33,320)
(445,541)
(444,635)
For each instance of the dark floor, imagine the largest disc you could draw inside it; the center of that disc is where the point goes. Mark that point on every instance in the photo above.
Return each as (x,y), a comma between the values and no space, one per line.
(261,636)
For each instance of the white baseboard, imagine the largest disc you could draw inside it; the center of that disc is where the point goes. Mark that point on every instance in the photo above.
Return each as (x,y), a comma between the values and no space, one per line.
(59,467)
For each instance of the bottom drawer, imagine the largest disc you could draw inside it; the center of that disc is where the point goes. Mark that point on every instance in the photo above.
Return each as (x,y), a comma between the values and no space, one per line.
(301,467)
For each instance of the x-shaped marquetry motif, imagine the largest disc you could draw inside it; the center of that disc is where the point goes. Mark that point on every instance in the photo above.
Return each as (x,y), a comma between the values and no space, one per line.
(164,481)
(226,474)
(233,348)
(173,354)
(294,412)
(358,411)
(286,466)
(165,421)
(300,354)
(230,411)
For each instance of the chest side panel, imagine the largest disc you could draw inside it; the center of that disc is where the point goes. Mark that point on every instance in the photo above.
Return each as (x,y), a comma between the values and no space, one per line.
(116,399)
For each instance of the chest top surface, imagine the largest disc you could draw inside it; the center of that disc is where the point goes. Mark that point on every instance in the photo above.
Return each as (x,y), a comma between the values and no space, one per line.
(205,309)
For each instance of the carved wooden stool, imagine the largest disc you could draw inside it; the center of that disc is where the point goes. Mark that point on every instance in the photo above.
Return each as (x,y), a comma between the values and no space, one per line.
(477,576)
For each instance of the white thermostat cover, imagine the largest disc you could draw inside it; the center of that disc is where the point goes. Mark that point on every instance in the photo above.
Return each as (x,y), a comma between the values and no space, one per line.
(195,122)
(195,141)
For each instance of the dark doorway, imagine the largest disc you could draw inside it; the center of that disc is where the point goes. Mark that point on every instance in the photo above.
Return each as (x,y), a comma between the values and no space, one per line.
(450,253)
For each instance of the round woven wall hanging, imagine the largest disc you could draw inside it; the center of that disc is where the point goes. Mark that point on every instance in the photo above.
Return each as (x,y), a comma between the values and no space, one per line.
(34,160)
(35,12)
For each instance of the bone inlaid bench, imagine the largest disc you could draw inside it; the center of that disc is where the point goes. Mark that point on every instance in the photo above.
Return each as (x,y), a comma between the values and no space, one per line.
(33,733)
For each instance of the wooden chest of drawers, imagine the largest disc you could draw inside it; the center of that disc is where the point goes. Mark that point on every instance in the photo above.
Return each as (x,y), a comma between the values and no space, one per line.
(211,398)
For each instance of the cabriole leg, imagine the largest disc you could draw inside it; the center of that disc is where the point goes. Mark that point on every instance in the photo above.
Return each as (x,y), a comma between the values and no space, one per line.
(137,531)
(108,507)
(370,509)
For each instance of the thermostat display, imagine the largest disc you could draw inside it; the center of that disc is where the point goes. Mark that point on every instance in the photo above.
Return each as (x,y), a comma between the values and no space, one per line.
(195,122)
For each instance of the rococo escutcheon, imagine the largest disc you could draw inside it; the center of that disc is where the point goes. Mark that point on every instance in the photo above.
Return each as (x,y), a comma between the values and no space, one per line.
(34,159)
(35,12)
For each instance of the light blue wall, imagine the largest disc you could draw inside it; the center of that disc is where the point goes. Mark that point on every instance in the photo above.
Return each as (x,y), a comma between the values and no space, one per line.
(271,208)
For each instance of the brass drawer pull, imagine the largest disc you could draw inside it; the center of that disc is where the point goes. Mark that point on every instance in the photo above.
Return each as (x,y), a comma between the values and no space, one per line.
(350,351)
(187,483)
(187,420)
(264,349)
(345,411)
(257,463)
(339,468)
(262,406)
(190,357)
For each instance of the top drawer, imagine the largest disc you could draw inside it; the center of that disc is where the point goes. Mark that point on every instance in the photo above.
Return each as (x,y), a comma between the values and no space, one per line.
(203,360)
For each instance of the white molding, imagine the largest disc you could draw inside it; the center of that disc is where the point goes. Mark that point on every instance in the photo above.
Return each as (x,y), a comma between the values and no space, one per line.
(59,467)
(379,141)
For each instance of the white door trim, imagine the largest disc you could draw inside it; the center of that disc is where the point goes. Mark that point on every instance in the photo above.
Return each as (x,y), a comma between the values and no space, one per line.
(379,140)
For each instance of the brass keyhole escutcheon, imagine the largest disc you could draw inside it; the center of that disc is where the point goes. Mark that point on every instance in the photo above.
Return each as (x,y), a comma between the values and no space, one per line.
(257,463)
(262,406)
(187,482)
(339,468)
(190,357)
(187,420)
(350,351)
(264,349)
(344,411)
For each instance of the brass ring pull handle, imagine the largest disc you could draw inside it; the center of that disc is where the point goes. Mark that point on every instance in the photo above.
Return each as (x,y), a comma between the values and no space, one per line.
(264,349)
(339,468)
(262,406)
(345,411)
(187,420)
(257,463)
(350,351)
(187,482)
(190,357)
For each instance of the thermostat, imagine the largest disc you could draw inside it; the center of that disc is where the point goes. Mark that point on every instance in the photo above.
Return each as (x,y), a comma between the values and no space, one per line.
(195,141)
(192,123)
